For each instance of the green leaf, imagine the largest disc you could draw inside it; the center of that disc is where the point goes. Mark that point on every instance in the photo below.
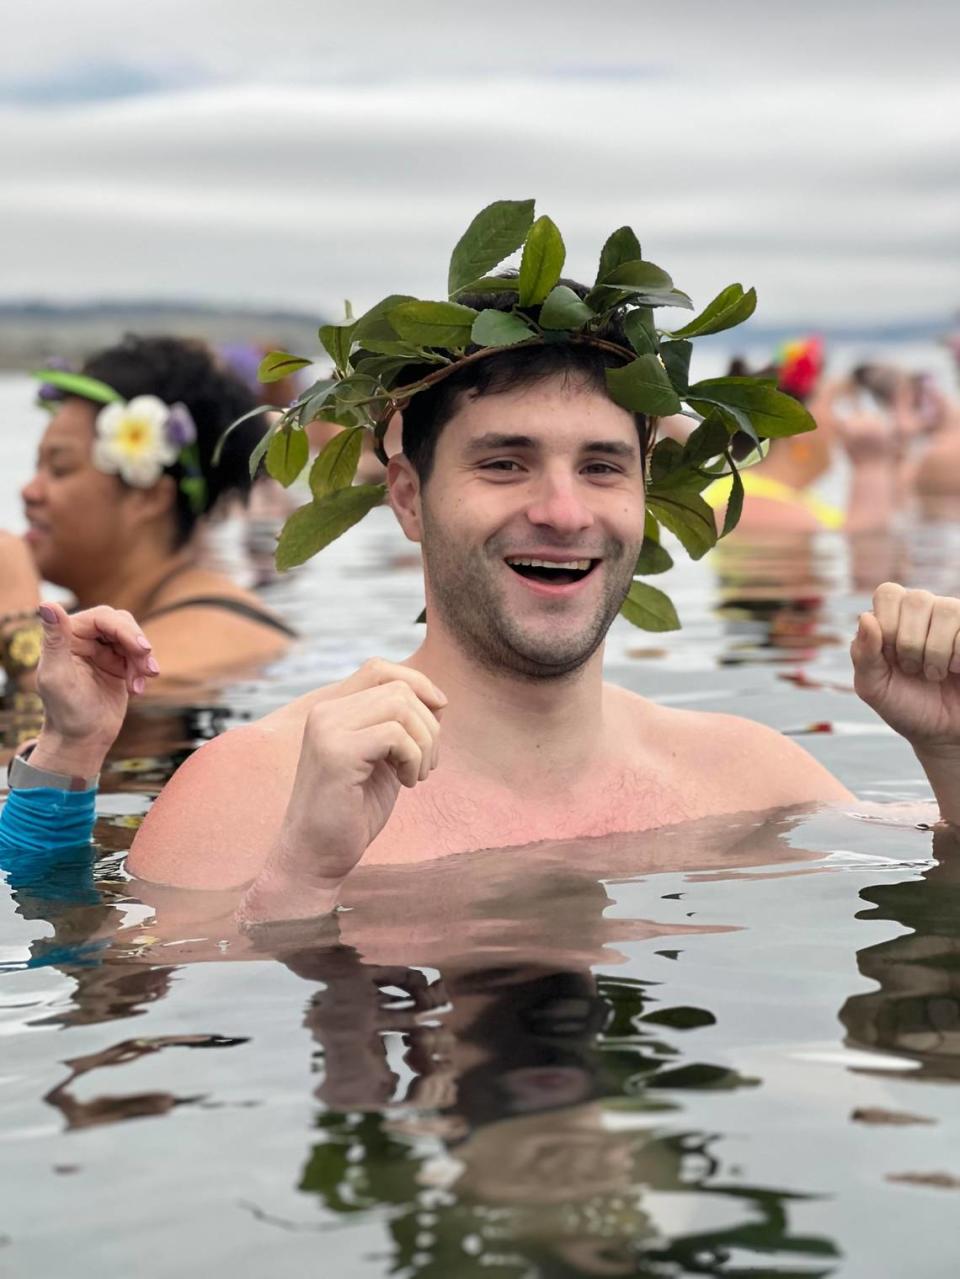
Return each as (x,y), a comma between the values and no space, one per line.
(312,401)
(443,324)
(667,457)
(730,307)
(336,465)
(687,516)
(257,453)
(312,527)
(564,310)
(621,246)
(89,388)
(337,339)
(245,417)
(357,390)
(500,328)
(653,558)
(734,418)
(734,503)
(491,284)
(642,386)
(382,367)
(640,330)
(639,275)
(374,326)
(649,609)
(542,263)
(280,364)
(709,440)
(287,455)
(676,357)
(769,412)
(495,233)
(673,297)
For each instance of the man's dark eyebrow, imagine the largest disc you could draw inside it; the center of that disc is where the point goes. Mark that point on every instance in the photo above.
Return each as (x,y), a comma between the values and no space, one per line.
(612,448)
(495,440)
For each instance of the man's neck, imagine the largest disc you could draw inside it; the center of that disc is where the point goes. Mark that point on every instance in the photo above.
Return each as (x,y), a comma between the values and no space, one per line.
(508,727)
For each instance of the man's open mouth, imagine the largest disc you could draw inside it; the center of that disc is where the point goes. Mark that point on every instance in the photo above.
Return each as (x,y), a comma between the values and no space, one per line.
(554,572)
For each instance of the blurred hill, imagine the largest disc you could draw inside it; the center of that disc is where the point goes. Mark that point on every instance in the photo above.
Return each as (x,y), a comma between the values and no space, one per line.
(31,331)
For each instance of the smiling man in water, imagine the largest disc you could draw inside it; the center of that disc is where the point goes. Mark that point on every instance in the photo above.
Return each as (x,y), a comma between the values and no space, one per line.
(528,502)
(523,480)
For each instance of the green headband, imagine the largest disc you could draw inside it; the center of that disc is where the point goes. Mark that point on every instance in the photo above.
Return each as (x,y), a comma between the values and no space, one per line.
(375,355)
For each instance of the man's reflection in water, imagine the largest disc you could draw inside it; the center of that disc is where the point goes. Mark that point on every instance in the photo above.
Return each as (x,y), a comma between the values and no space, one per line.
(505,1110)
(543,1095)
(916,1010)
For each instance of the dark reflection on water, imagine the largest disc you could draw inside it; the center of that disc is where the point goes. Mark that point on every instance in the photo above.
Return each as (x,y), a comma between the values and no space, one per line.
(492,1023)
(916,1009)
(546,1088)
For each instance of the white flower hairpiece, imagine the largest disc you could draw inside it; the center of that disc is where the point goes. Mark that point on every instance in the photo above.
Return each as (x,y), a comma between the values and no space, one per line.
(136,439)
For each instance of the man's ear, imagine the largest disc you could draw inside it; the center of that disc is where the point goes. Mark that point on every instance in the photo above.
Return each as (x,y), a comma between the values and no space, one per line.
(403,488)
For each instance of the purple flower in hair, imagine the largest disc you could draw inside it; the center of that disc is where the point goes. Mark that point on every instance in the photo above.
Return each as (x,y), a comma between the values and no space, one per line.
(181,430)
(47,393)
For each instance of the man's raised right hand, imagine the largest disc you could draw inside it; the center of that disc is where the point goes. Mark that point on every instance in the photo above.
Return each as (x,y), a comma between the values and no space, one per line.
(363,739)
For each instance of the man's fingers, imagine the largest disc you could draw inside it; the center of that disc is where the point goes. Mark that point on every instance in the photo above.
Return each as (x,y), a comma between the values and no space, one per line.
(886,609)
(916,609)
(871,668)
(943,637)
(376,672)
(391,743)
(867,646)
(394,701)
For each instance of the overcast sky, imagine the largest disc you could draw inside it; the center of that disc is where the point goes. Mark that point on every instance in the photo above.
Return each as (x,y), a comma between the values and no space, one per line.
(295,153)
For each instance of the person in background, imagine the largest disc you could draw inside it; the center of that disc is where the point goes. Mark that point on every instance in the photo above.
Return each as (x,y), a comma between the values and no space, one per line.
(778,496)
(125,482)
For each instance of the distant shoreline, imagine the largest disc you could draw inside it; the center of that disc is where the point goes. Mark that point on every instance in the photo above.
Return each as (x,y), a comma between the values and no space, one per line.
(31,331)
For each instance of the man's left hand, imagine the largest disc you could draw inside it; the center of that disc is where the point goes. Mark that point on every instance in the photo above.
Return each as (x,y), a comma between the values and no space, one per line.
(906,660)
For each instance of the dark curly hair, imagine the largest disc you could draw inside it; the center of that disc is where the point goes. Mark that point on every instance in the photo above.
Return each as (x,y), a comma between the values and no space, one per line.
(427,412)
(184,370)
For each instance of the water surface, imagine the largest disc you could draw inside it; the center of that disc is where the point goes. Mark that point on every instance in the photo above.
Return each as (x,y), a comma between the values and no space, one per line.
(727,1048)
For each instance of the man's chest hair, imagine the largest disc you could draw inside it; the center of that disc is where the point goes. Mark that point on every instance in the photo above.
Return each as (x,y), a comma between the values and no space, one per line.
(456,817)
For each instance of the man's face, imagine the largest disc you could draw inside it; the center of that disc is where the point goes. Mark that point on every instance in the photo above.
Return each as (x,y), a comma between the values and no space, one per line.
(532,521)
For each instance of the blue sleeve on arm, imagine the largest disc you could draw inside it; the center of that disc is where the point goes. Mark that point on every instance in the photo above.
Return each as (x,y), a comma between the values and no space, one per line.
(41,819)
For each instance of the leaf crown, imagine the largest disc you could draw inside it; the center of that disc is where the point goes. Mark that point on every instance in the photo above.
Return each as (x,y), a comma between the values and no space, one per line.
(403,345)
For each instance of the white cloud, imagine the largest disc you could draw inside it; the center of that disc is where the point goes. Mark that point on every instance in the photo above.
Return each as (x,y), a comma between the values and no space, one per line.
(327,156)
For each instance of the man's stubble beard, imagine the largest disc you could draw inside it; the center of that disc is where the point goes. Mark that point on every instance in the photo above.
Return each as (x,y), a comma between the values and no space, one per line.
(465,595)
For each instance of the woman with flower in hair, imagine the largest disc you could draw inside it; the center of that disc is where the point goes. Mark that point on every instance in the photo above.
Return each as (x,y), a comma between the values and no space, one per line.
(126,477)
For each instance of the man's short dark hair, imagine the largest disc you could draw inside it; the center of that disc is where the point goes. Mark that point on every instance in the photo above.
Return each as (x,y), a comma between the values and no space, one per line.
(428,411)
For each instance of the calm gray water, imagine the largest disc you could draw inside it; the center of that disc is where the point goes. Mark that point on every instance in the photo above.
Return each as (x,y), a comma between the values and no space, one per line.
(726,1049)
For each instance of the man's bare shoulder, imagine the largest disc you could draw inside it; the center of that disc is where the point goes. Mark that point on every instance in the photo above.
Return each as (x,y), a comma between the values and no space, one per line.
(215,819)
(728,755)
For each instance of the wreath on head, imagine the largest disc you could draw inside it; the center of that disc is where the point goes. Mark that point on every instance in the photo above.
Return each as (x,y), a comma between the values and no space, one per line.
(375,354)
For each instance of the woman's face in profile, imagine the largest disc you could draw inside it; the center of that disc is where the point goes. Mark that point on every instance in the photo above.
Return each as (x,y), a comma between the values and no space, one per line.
(77,516)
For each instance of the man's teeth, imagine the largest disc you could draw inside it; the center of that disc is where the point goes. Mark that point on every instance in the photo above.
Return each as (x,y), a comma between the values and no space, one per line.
(570,566)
